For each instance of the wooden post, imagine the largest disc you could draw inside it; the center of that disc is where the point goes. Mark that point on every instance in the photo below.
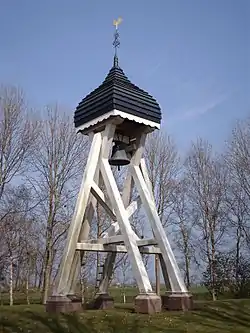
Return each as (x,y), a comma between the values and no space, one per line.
(157,276)
(84,234)
(175,278)
(76,223)
(122,216)
(111,257)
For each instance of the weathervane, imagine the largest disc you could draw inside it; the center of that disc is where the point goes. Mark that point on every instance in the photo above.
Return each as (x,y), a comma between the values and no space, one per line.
(116,41)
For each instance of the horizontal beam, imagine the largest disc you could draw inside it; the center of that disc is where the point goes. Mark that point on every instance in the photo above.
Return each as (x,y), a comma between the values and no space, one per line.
(146,242)
(106,240)
(113,248)
(120,239)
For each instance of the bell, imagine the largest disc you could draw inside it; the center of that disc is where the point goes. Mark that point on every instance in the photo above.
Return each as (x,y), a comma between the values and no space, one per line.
(119,156)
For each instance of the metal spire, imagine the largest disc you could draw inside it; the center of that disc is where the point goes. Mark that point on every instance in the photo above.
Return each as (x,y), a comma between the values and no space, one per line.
(116,41)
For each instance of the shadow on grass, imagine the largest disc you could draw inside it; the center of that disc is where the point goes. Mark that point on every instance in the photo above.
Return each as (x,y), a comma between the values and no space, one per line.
(29,322)
(224,314)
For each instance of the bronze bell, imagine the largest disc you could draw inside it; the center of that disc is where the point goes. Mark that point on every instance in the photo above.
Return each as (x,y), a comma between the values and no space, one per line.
(119,156)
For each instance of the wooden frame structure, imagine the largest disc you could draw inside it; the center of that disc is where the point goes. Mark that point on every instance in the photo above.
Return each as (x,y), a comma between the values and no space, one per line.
(120,238)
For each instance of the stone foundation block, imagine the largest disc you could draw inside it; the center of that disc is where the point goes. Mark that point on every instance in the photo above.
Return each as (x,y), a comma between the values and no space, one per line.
(177,301)
(63,304)
(148,303)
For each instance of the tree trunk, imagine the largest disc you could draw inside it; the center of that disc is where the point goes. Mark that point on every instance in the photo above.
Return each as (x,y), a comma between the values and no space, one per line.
(17,276)
(187,270)
(11,281)
(27,281)
(186,256)
(47,272)
(237,254)
(41,275)
(214,296)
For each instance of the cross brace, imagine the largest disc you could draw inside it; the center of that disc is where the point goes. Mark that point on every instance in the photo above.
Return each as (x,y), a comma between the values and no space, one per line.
(120,209)
(113,248)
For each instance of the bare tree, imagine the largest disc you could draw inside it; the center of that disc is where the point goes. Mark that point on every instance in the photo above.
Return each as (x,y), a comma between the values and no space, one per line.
(183,226)
(56,164)
(123,274)
(16,229)
(18,132)
(163,167)
(238,216)
(238,161)
(207,182)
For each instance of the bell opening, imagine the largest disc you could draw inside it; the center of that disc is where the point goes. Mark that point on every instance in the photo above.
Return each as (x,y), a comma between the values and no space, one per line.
(119,157)
(118,162)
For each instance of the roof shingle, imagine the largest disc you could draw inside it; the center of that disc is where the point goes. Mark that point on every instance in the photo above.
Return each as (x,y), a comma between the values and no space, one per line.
(117,93)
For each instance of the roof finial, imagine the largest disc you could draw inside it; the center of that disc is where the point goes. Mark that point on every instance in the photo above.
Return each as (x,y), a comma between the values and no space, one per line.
(116,41)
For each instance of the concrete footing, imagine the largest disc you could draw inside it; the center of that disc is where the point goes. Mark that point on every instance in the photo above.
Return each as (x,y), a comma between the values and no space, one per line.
(103,302)
(177,301)
(148,303)
(57,304)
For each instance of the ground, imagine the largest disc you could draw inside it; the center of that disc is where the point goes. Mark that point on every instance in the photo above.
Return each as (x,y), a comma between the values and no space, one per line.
(207,317)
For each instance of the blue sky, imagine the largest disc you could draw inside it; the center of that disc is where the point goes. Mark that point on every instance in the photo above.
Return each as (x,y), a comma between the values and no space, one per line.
(192,55)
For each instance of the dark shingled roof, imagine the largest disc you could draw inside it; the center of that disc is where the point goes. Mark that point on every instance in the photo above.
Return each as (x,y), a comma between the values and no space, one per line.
(117,93)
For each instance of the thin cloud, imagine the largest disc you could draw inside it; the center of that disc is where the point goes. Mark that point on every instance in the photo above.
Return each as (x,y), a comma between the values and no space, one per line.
(153,69)
(201,110)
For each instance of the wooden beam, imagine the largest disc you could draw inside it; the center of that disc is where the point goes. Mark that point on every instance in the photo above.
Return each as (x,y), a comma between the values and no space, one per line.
(100,126)
(106,240)
(174,273)
(113,248)
(115,229)
(137,264)
(79,212)
(84,234)
(120,239)
(146,242)
(134,205)
(100,197)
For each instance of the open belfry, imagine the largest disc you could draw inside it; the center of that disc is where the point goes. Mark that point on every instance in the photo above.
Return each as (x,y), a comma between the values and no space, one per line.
(117,117)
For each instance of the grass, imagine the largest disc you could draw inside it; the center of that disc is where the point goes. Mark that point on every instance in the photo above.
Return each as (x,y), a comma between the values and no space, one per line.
(208,317)
(199,293)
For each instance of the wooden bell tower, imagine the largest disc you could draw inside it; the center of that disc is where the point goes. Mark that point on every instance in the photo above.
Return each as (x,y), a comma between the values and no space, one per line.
(117,111)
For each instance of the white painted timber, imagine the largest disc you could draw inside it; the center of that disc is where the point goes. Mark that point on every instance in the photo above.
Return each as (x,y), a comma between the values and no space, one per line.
(76,223)
(133,207)
(107,141)
(107,240)
(114,230)
(107,272)
(114,248)
(126,230)
(84,235)
(144,171)
(118,113)
(175,278)
(146,242)
(120,239)
(99,195)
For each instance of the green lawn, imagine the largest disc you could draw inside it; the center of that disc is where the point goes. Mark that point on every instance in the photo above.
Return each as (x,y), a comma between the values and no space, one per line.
(208,317)
(199,293)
